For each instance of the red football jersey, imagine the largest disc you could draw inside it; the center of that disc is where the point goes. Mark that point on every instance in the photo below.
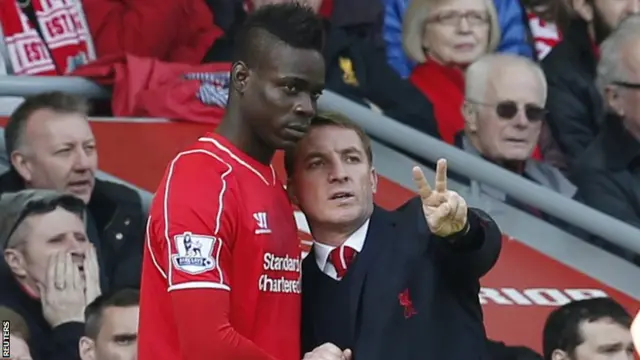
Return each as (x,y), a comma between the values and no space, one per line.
(220,220)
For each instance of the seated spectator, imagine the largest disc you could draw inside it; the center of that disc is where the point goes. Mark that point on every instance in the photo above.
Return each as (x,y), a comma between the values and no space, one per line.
(607,172)
(51,146)
(546,21)
(181,31)
(588,330)
(19,334)
(356,68)
(504,112)
(44,37)
(50,270)
(444,37)
(575,105)
(111,327)
(510,17)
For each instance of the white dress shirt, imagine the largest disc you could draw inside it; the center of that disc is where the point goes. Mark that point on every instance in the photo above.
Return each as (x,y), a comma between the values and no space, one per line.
(322,251)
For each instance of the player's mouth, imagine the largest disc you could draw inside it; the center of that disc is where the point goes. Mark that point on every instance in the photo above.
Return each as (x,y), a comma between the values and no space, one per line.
(342,195)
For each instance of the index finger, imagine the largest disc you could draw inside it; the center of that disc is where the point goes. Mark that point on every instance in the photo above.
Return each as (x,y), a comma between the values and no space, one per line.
(424,189)
(441,176)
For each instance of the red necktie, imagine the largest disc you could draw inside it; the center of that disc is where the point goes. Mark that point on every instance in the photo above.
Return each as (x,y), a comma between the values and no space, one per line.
(341,257)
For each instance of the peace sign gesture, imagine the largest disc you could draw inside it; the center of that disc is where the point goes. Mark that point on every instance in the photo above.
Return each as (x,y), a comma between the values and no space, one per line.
(445,210)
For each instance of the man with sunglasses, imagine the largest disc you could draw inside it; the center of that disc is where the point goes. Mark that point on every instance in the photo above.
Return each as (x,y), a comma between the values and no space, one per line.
(49,271)
(608,172)
(504,111)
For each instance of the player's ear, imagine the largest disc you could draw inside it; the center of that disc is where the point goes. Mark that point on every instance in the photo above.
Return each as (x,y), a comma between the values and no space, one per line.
(239,76)
(87,348)
(374,179)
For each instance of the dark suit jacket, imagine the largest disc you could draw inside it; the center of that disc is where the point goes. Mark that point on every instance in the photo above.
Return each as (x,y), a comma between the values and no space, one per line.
(440,275)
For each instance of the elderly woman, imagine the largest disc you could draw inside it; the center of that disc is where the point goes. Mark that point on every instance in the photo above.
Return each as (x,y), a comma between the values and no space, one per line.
(444,37)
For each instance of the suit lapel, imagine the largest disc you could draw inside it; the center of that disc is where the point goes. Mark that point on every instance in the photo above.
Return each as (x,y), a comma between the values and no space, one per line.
(379,233)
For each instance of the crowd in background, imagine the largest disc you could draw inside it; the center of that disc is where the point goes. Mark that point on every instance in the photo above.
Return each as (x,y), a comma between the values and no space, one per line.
(549,90)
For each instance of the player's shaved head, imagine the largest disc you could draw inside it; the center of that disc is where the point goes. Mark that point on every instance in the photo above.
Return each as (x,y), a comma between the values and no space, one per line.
(290,24)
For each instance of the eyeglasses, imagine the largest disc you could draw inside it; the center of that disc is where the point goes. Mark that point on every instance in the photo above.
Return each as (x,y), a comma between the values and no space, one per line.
(509,109)
(454,18)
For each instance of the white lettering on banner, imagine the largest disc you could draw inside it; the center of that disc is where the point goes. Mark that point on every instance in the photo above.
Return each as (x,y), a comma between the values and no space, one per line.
(281,283)
(536,296)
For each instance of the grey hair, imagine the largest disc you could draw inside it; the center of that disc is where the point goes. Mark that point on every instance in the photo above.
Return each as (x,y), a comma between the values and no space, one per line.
(477,74)
(611,66)
(417,14)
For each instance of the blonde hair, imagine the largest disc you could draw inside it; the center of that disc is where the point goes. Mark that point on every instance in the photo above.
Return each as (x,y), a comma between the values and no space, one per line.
(417,14)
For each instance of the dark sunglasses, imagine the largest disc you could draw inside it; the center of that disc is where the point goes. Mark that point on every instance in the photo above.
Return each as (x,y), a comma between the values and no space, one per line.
(509,109)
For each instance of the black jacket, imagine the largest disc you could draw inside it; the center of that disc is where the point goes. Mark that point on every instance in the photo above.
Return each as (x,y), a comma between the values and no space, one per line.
(574,103)
(412,295)
(45,343)
(608,173)
(115,225)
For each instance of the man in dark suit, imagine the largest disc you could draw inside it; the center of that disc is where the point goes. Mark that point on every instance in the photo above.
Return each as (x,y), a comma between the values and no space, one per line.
(386,285)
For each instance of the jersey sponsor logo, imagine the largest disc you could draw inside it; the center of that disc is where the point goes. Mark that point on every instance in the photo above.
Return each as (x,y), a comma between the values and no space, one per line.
(282,274)
(536,296)
(194,253)
(261,221)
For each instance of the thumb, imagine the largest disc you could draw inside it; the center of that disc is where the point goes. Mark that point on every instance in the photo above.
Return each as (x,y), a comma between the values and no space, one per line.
(347,354)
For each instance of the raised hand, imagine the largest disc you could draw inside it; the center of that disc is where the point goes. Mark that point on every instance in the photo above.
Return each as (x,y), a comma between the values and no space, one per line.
(444,210)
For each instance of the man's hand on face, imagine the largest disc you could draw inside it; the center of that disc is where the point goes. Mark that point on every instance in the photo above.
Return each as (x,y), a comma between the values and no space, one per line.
(328,351)
(91,274)
(63,293)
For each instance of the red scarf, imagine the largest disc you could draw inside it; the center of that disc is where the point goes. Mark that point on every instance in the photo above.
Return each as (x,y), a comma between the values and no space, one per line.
(67,43)
(444,87)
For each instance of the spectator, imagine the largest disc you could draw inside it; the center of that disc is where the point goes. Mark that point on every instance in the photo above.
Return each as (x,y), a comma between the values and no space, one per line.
(181,31)
(356,68)
(586,330)
(44,37)
(575,105)
(444,37)
(51,146)
(546,20)
(606,173)
(504,112)
(510,17)
(19,333)
(111,327)
(50,271)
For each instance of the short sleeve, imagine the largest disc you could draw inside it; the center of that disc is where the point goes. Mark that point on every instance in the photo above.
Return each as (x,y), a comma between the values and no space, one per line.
(193,221)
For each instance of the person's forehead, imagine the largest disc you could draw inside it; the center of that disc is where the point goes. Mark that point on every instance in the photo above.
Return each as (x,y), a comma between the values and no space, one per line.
(330,138)
(459,4)
(514,82)
(58,126)
(604,331)
(120,319)
(282,60)
(58,221)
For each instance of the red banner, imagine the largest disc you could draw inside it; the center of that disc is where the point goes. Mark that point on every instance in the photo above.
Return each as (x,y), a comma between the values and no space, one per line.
(517,294)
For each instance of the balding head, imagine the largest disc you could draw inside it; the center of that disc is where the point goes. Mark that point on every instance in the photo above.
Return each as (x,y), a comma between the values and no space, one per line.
(505,99)
(500,67)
